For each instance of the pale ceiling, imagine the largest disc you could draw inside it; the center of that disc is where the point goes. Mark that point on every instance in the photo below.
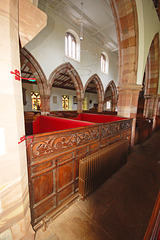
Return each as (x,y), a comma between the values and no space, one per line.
(98,23)
(97,19)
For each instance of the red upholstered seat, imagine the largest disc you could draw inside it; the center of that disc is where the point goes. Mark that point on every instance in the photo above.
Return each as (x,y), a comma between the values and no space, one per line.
(45,124)
(97,118)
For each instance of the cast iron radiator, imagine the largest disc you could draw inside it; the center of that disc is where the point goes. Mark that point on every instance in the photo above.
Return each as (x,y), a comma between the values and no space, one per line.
(97,167)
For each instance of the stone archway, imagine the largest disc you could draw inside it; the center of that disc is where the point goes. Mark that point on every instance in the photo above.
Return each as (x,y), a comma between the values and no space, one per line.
(27,59)
(113,88)
(151,81)
(71,71)
(100,90)
(125,15)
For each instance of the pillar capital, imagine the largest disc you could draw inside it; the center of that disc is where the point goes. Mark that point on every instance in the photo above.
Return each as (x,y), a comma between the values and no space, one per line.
(79,99)
(130,88)
(128,100)
(45,96)
(149,96)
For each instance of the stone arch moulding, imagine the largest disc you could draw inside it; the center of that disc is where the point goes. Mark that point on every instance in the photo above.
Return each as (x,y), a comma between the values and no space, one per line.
(125,15)
(68,68)
(151,81)
(100,90)
(126,20)
(113,87)
(152,67)
(27,58)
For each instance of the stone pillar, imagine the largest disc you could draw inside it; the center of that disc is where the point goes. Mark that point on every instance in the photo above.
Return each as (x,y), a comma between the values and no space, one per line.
(45,104)
(127,104)
(14,196)
(79,105)
(100,106)
(114,104)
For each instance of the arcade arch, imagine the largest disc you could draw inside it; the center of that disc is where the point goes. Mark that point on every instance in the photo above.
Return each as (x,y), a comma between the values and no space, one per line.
(29,62)
(69,71)
(111,94)
(100,90)
(151,81)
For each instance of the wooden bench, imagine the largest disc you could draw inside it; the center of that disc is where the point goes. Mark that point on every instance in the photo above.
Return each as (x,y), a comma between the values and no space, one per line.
(144,128)
(53,159)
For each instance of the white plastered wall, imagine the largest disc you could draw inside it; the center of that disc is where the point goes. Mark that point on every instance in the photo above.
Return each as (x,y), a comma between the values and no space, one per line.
(57,92)
(148,25)
(48,47)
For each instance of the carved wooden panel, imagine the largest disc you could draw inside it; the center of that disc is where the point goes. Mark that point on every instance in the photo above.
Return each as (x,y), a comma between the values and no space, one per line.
(53,162)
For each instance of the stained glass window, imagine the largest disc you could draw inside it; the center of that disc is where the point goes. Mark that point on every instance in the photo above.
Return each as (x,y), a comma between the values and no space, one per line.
(65,102)
(36,101)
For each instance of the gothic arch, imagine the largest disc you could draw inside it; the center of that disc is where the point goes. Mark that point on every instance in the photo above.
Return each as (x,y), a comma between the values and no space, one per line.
(125,14)
(152,67)
(100,90)
(27,59)
(113,88)
(151,81)
(68,68)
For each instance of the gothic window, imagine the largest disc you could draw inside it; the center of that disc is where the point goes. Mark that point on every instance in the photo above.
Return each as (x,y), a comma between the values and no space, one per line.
(65,102)
(36,101)
(104,63)
(70,45)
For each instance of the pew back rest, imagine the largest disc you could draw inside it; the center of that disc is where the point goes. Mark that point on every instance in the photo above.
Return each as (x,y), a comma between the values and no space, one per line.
(45,124)
(97,118)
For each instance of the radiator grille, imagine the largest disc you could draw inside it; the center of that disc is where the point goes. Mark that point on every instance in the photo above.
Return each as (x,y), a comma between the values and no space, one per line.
(97,167)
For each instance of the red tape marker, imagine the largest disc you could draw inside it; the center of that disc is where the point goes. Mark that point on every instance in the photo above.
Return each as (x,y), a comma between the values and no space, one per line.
(17,74)
(18,77)
(24,138)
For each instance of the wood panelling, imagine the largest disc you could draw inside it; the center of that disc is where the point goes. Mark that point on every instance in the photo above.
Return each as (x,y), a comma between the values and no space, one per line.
(65,175)
(53,162)
(65,193)
(43,186)
(144,128)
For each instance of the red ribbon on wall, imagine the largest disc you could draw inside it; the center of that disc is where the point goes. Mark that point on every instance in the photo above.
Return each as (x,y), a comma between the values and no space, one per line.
(24,138)
(18,77)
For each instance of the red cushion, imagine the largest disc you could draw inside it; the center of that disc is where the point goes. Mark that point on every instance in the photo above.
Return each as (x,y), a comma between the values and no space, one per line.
(45,124)
(97,118)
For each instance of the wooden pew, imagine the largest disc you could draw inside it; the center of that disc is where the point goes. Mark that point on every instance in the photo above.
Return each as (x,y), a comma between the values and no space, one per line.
(144,128)
(53,162)
(29,117)
(157,122)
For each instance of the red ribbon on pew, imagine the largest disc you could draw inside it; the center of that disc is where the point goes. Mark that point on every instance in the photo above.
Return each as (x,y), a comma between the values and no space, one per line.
(18,77)
(24,138)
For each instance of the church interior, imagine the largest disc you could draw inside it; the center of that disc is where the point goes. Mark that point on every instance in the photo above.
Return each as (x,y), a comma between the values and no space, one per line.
(80,120)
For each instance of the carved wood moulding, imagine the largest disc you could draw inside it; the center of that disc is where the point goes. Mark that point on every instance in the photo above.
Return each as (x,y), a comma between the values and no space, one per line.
(53,162)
